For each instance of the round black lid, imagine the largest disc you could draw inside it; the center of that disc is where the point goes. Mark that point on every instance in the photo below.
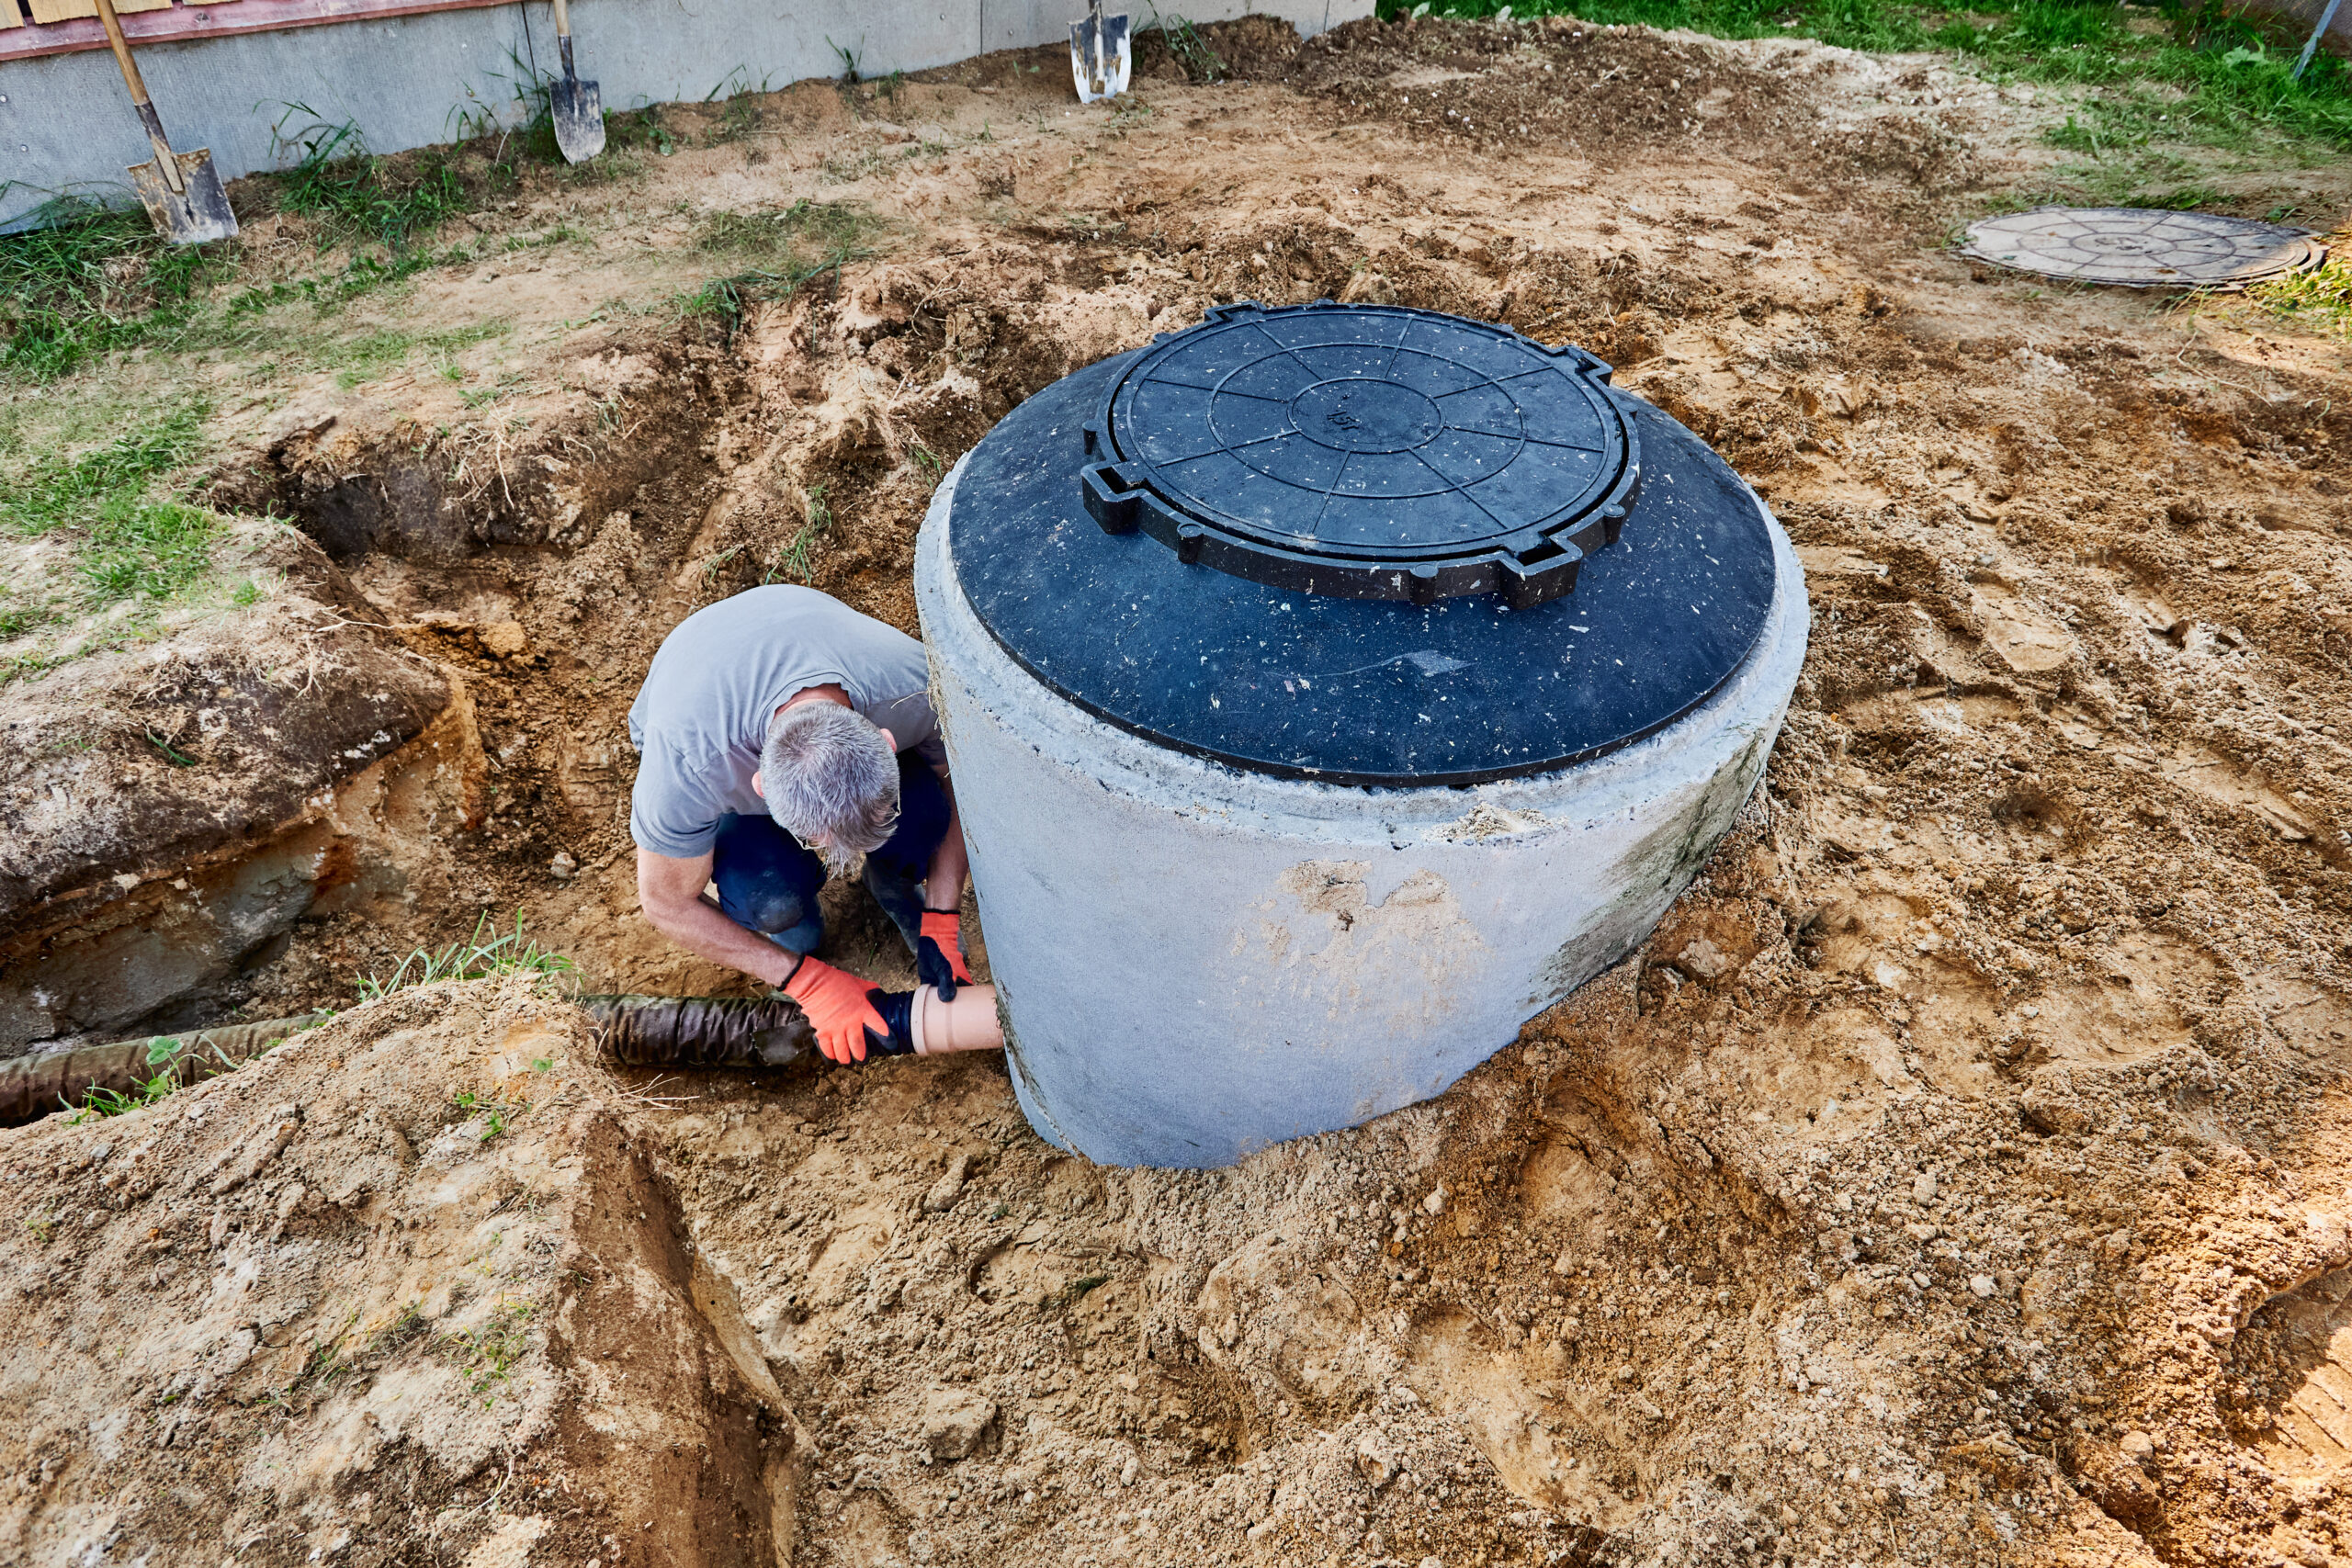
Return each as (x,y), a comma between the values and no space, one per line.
(1370,452)
(1339,542)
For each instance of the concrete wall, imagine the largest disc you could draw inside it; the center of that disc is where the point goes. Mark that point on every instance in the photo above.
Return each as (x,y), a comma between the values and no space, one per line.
(66,125)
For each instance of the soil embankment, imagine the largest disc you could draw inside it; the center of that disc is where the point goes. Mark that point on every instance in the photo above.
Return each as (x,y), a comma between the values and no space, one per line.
(1960,1176)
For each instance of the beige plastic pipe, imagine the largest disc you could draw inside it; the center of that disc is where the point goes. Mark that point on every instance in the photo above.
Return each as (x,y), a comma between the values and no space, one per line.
(968,1023)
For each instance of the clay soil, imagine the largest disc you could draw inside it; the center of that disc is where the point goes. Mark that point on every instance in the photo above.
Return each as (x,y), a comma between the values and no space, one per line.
(1962,1174)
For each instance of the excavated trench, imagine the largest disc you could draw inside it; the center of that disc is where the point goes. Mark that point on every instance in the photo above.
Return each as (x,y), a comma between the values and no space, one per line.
(1668,1271)
(1958,1176)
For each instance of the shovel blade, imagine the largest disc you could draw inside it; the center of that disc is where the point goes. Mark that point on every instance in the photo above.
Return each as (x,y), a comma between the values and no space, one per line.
(196,212)
(578,109)
(1098,58)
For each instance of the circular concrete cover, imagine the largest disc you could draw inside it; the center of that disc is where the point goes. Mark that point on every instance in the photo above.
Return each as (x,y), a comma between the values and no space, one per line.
(2139,247)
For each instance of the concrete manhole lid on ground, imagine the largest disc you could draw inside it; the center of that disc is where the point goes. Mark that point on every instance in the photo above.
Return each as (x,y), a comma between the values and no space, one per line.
(2139,247)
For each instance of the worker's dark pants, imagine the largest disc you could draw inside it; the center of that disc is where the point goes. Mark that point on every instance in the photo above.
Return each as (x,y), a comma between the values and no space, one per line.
(767,880)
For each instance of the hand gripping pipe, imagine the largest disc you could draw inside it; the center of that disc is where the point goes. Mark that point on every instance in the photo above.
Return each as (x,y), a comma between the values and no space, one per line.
(760,1031)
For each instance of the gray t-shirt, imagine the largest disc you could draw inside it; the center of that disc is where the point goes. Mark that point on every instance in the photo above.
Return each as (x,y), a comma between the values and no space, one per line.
(702,715)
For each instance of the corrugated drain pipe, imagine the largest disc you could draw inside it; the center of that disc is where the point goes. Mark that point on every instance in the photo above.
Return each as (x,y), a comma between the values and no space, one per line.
(669,1031)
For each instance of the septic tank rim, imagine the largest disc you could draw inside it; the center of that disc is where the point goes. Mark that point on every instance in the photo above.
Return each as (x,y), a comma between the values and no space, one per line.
(1320,808)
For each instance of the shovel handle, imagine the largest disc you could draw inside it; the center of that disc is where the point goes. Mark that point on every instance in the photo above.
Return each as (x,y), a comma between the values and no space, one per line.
(563,19)
(165,161)
(121,47)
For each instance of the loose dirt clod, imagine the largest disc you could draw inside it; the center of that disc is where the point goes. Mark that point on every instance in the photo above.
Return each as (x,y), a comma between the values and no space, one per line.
(1961,1173)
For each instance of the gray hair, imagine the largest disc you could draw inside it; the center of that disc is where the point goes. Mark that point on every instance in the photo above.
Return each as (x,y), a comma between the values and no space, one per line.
(830,781)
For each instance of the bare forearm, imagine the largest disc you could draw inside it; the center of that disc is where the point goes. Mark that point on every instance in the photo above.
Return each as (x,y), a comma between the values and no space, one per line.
(699,927)
(942,887)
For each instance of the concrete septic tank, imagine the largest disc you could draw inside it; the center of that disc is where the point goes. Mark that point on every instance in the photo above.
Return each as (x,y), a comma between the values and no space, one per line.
(1330,690)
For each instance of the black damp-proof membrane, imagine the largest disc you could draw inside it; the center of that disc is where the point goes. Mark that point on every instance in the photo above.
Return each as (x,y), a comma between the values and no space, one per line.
(1355,691)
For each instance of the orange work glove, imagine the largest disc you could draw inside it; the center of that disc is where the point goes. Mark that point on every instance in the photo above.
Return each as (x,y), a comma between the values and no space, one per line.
(939,952)
(837,1009)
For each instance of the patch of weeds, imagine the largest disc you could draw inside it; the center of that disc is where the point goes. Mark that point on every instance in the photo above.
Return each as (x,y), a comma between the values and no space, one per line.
(176,1068)
(1191,51)
(356,196)
(473,959)
(847,81)
(802,243)
(739,112)
(44,1226)
(929,464)
(847,168)
(368,355)
(23,620)
(832,226)
(176,759)
(2320,299)
(817,517)
(89,280)
(640,131)
(398,1334)
(497,1116)
(100,1101)
(488,1354)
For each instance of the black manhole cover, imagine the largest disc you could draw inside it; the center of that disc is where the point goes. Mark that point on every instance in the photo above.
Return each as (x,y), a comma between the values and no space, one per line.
(1373,452)
(2136,247)
(1306,656)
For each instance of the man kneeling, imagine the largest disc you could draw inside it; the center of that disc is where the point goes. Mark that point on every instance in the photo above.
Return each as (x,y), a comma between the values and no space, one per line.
(784,736)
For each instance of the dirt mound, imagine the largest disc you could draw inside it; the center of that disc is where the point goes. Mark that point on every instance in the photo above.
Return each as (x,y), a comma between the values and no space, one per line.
(1960,1176)
(409,1288)
(168,811)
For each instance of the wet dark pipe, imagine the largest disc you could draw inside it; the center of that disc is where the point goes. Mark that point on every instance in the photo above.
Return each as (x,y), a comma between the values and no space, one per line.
(759,1032)
(32,1087)
(643,1032)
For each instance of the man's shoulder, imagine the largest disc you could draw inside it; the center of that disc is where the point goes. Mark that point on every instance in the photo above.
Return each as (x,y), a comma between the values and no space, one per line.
(769,602)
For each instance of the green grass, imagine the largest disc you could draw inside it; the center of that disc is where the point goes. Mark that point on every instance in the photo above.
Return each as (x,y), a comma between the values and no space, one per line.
(828,228)
(96,280)
(795,245)
(368,355)
(163,1053)
(473,959)
(1192,53)
(487,1355)
(2211,76)
(2319,299)
(818,517)
(93,281)
(127,541)
(355,196)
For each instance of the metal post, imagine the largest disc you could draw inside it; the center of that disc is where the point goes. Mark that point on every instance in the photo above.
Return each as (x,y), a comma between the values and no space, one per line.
(2317,33)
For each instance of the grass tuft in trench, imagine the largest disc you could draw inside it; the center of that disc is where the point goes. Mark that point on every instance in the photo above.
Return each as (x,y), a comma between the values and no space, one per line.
(793,247)
(479,958)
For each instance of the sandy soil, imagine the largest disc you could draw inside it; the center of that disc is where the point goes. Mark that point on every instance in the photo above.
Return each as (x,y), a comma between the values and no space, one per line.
(1961,1174)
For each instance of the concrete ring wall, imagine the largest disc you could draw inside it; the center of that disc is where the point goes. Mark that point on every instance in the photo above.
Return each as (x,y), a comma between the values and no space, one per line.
(1196,962)
(66,126)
